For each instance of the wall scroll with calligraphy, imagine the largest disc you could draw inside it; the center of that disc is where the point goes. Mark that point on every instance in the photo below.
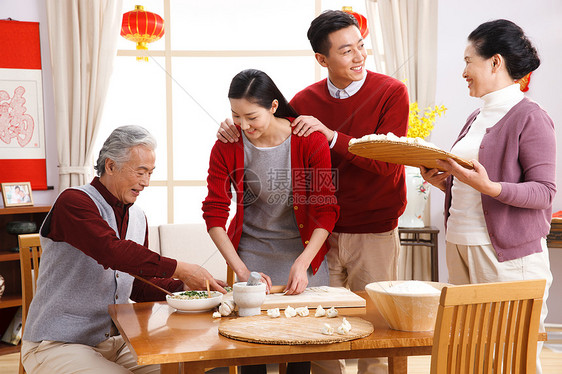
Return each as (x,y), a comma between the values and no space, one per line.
(22,137)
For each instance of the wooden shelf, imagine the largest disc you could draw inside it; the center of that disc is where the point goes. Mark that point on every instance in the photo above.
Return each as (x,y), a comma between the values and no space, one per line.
(10,264)
(554,238)
(25,209)
(9,256)
(9,301)
(6,349)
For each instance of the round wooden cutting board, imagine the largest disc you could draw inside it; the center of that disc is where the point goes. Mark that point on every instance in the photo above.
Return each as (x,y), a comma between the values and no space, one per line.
(291,331)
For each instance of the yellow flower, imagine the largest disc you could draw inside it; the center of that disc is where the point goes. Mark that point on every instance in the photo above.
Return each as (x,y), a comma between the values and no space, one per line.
(420,125)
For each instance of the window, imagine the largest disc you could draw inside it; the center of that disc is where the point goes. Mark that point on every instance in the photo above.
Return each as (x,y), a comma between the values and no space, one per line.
(180,94)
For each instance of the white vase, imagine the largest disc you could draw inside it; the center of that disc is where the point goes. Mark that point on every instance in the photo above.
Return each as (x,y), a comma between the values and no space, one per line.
(417,195)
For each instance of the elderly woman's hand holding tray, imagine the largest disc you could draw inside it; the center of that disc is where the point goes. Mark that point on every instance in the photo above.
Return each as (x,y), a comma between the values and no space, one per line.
(406,151)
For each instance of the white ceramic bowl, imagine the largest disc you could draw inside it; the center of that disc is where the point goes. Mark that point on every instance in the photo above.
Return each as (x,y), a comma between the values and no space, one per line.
(194,305)
(406,311)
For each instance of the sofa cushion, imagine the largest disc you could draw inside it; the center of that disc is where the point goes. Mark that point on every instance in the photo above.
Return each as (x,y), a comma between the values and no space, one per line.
(153,239)
(191,243)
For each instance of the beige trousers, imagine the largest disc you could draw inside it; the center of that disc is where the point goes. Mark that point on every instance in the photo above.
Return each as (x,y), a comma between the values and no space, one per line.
(111,356)
(356,260)
(478,264)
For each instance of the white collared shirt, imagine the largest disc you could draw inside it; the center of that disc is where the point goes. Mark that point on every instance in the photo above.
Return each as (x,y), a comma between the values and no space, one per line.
(345,92)
(338,93)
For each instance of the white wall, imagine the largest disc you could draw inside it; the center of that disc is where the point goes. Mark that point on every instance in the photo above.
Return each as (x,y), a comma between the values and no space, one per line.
(541,22)
(35,11)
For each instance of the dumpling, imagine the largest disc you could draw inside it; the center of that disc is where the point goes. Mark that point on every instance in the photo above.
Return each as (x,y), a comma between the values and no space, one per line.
(290,311)
(344,328)
(273,313)
(346,323)
(320,312)
(302,311)
(327,329)
(332,313)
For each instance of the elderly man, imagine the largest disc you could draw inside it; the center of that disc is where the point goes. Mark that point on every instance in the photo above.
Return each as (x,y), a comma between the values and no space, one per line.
(93,239)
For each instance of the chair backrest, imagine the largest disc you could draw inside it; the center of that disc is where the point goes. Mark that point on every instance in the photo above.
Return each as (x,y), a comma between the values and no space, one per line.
(191,243)
(485,328)
(30,252)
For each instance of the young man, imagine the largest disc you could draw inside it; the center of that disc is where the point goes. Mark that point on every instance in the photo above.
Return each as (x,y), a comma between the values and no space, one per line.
(350,103)
(93,238)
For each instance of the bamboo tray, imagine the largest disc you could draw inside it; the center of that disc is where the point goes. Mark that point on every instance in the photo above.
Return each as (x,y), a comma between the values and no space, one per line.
(292,331)
(404,153)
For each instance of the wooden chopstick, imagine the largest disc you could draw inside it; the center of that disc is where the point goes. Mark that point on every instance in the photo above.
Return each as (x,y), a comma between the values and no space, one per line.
(208,288)
(153,285)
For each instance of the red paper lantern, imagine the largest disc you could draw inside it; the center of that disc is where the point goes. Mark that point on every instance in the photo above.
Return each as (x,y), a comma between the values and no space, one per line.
(360,19)
(142,27)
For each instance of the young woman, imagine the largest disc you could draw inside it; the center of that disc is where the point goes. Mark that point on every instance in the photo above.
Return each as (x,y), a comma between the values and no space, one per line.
(285,203)
(498,215)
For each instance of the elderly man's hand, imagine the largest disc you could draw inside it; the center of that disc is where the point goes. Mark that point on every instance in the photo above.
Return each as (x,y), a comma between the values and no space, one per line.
(194,277)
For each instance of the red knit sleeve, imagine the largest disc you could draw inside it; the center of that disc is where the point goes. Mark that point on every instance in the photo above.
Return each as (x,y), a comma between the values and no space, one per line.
(322,198)
(76,220)
(216,205)
(144,292)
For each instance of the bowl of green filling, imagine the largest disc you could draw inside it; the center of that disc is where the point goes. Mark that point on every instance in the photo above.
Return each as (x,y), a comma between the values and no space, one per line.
(194,301)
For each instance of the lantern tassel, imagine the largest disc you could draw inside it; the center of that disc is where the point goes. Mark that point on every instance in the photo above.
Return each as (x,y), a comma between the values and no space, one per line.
(142,46)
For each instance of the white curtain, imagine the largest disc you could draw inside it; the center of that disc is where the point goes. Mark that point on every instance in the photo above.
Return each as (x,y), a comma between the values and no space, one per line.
(83,41)
(408,53)
(409,35)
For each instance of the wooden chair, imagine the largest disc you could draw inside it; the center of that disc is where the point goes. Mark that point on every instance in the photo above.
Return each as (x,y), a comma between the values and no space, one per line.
(30,252)
(485,328)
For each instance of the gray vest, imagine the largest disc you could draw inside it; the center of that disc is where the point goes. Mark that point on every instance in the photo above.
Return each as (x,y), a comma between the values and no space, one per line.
(73,290)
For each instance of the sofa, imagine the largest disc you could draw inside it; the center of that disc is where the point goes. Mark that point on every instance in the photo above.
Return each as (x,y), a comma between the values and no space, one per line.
(188,243)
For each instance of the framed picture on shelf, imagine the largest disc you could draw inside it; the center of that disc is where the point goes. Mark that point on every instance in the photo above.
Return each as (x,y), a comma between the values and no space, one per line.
(17,194)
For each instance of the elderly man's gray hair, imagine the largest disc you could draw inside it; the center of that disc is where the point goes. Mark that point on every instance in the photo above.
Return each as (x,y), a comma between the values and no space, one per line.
(119,143)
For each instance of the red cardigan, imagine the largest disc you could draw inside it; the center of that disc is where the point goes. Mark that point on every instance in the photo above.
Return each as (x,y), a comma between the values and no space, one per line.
(371,194)
(314,203)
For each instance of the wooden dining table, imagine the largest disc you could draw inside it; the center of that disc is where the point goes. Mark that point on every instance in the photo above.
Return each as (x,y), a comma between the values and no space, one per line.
(190,342)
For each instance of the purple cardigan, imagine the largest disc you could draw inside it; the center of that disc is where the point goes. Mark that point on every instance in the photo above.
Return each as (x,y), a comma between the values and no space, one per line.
(519,152)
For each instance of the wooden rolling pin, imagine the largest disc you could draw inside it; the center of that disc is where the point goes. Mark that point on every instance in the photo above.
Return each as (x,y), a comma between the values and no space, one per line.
(277,289)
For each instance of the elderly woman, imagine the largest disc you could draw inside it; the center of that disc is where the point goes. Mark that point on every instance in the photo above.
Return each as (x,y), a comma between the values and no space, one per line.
(497,216)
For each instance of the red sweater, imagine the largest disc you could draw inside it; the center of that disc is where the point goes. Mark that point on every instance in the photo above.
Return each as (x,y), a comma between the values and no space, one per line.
(314,202)
(371,194)
(76,220)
